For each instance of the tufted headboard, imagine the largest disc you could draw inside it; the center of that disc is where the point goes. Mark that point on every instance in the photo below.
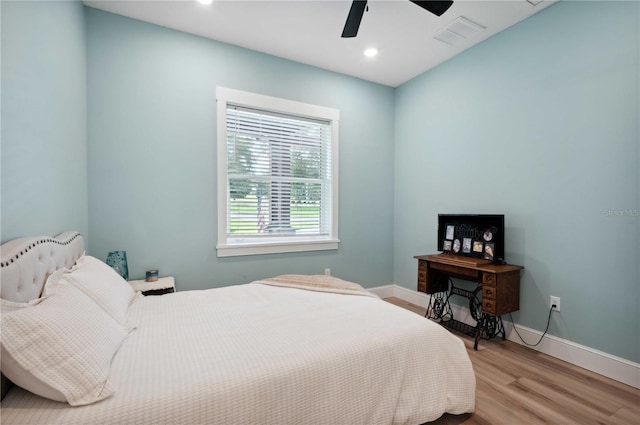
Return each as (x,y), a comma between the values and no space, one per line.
(26,263)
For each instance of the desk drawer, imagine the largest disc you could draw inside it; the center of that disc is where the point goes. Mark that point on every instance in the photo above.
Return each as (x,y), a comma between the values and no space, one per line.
(422,281)
(422,276)
(488,292)
(422,266)
(489,278)
(455,270)
(489,306)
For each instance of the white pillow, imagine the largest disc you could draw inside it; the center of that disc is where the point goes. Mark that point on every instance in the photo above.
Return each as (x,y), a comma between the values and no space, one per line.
(102,284)
(7,306)
(8,362)
(62,347)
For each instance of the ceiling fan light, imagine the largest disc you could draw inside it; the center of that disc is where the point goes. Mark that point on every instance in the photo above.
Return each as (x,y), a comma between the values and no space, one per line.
(371,52)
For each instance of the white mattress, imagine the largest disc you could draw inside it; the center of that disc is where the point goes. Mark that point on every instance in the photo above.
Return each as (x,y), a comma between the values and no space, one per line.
(257,354)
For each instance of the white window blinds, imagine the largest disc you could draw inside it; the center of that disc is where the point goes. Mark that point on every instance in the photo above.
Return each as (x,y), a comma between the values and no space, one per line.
(278,175)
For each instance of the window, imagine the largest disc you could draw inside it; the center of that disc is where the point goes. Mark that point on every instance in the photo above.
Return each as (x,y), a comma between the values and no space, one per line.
(277,175)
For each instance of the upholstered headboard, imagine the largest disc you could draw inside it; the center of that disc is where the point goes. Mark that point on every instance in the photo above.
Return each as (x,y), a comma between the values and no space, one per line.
(28,262)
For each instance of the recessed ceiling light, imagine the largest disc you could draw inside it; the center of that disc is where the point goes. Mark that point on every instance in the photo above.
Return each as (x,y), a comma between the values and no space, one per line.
(371,52)
(205,1)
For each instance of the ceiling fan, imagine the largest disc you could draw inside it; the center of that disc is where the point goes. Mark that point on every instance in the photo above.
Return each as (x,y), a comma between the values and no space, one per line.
(358,8)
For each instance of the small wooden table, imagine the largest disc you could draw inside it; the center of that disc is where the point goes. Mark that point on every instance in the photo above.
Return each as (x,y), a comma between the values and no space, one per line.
(499,284)
(164,285)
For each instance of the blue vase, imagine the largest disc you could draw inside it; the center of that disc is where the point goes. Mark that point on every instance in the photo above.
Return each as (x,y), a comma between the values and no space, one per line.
(118,261)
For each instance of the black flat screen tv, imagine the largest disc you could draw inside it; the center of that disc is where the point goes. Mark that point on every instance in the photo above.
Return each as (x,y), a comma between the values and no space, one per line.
(472,235)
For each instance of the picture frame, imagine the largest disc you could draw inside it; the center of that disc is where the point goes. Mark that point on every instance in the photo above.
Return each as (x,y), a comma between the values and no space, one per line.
(466,245)
(489,250)
(456,245)
(450,232)
(470,235)
(447,245)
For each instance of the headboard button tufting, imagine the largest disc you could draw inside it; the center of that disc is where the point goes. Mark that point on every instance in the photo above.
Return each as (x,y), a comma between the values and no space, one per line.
(25,270)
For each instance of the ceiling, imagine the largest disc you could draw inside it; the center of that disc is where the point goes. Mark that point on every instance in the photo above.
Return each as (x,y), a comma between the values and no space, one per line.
(308,31)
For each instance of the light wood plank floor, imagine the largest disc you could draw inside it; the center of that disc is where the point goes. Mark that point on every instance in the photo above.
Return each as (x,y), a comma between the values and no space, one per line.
(517,385)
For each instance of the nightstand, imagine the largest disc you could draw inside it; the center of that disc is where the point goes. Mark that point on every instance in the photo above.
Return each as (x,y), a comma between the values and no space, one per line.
(164,285)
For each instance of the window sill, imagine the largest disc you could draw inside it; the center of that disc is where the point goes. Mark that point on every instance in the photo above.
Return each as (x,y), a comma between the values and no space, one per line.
(275,248)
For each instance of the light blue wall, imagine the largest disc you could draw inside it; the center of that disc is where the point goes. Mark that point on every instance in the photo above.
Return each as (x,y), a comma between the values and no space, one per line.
(43,148)
(152,154)
(541,123)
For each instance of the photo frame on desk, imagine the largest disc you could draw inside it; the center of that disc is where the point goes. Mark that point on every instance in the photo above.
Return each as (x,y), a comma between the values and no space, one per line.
(447,246)
(450,232)
(466,245)
(457,245)
(470,234)
(489,251)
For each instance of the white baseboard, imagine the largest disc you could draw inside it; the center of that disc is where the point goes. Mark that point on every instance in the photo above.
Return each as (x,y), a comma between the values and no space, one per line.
(385,291)
(602,363)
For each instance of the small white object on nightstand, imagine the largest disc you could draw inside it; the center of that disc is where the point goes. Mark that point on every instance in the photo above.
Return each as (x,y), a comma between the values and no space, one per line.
(164,283)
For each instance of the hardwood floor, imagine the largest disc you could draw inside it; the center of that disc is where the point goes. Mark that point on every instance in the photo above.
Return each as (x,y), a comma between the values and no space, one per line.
(516,385)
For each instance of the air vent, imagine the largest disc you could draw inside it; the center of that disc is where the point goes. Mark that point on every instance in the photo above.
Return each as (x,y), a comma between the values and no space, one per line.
(458,30)
(448,37)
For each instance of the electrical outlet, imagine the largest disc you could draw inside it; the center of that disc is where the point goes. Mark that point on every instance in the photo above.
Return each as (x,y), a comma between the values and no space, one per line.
(554,301)
(327,272)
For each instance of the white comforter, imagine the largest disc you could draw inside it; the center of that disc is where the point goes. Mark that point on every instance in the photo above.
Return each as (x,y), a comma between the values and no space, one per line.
(258,354)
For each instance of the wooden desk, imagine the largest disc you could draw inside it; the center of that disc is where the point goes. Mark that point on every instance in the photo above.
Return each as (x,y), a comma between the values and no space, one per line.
(499,283)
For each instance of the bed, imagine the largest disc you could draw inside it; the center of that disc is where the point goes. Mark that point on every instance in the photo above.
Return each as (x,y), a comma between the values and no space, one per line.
(267,352)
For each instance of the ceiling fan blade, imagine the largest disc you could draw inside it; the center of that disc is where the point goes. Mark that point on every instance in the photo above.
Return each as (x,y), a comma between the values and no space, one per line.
(435,7)
(353,19)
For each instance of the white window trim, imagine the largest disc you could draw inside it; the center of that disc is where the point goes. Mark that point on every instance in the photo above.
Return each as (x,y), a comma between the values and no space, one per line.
(224,247)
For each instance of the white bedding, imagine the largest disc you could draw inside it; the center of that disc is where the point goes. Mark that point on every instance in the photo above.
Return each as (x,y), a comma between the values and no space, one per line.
(258,354)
